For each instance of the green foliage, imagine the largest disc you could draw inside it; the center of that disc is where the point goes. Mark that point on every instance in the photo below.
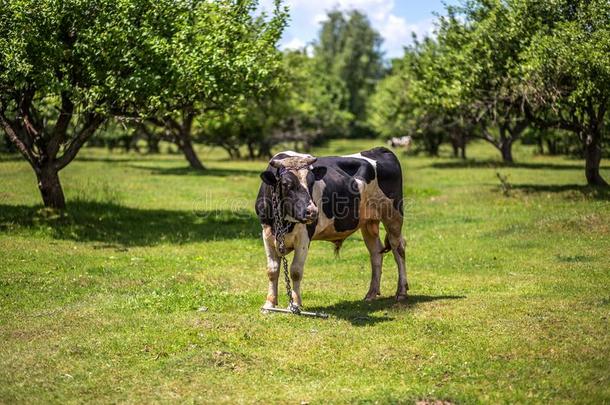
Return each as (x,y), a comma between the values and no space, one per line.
(105,55)
(225,58)
(568,68)
(221,53)
(389,107)
(316,100)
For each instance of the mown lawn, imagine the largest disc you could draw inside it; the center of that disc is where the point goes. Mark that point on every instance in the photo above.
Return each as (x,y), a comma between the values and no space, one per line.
(149,289)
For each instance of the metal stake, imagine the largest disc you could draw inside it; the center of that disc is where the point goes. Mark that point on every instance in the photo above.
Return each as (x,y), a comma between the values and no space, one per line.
(304,313)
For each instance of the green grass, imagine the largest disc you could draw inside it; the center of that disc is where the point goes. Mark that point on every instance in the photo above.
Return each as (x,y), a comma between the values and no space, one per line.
(510,296)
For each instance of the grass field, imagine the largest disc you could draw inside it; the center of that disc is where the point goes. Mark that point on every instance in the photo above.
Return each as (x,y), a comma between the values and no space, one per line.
(149,289)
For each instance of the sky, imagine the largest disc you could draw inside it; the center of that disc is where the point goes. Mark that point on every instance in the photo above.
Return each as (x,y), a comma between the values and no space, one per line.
(395,20)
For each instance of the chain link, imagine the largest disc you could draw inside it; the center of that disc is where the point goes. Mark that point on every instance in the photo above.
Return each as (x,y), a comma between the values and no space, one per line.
(281,228)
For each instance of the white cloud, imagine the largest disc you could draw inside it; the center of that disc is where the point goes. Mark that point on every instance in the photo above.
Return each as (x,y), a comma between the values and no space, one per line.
(397,33)
(294,43)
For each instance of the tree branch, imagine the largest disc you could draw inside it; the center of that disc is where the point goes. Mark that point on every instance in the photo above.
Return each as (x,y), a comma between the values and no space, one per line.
(92,122)
(11,132)
(61,126)
(25,105)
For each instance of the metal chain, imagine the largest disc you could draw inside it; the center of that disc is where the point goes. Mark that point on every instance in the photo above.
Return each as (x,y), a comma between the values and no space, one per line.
(281,228)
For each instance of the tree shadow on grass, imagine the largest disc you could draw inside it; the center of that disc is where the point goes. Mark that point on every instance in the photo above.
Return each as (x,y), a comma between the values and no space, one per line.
(5,157)
(360,312)
(187,171)
(595,193)
(114,224)
(466,164)
(126,157)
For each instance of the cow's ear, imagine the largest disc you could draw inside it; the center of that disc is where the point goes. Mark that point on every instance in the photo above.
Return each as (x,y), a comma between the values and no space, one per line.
(319,172)
(268,177)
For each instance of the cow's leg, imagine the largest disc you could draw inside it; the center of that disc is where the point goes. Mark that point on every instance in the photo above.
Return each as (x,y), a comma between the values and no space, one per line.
(273,265)
(393,228)
(301,247)
(370,234)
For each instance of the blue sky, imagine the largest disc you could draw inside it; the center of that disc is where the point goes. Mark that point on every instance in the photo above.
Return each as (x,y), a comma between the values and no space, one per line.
(394,19)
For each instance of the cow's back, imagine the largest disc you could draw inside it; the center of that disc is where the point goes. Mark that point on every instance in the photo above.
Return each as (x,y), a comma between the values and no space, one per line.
(349,181)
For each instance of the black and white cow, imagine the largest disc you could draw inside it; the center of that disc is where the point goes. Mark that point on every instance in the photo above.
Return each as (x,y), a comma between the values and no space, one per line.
(329,198)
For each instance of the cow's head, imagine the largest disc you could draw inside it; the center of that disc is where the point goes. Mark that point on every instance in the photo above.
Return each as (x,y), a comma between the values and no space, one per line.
(292,177)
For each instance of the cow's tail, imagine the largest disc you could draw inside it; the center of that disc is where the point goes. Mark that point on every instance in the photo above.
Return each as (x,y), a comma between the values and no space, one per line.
(387,247)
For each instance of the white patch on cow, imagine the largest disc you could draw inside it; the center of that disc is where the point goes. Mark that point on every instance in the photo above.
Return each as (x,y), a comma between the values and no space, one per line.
(292,154)
(272,267)
(317,195)
(359,156)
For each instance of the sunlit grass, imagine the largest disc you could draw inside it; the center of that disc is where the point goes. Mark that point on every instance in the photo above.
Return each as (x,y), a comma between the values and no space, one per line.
(149,288)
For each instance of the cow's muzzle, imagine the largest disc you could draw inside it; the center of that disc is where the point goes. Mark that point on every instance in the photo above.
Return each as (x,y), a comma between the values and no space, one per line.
(311,214)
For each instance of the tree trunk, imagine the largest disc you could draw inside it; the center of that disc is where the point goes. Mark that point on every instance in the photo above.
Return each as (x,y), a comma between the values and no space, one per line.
(506,148)
(186,145)
(552,146)
(153,144)
(50,187)
(540,143)
(454,145)
(506,145)
(251,152)
(593,157)
(264,150)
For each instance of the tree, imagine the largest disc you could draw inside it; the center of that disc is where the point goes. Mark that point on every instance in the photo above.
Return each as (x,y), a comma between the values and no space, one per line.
(65,66)
(492,50)
(568,74)
(350,50)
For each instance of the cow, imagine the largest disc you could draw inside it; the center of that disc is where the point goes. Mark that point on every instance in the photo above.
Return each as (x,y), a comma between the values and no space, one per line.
(330,198)
(402,142)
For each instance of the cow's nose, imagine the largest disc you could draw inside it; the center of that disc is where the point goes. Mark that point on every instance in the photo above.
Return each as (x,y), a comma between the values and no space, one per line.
(312,212)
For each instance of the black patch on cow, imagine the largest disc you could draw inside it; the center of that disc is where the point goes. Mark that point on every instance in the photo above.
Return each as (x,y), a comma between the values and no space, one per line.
(356,168)
(294,197)
(264,209)
(341,196)
(263,204)
(311,229)
(389,174)
(318,172)
(269,177)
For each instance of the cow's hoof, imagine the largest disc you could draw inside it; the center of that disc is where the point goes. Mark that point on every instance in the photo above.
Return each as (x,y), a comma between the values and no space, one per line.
(371,296)
(401,297)
(268,304)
